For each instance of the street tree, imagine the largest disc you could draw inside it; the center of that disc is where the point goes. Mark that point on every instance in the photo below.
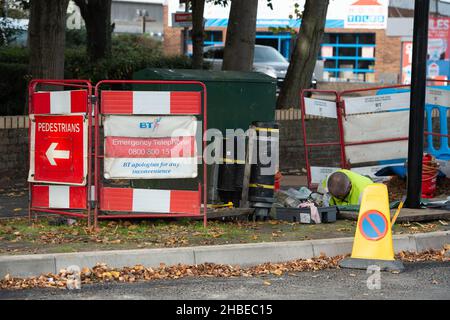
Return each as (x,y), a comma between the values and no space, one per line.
(198,7)
(97,17)
(198,29)
(46,36)
(305,53)
(241,32)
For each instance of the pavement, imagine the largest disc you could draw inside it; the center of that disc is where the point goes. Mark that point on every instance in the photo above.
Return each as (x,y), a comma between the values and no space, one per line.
(234,254)
(420,281)
(14,206)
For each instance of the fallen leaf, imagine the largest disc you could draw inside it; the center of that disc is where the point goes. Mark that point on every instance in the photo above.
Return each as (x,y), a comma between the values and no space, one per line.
(352,275)
(267,283)
(277,272)
(86,271)
(420,225)
(138,267)
(217,235)
(18,209)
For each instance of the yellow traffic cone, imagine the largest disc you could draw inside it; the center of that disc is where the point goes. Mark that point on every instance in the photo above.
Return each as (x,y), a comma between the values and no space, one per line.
(373,237)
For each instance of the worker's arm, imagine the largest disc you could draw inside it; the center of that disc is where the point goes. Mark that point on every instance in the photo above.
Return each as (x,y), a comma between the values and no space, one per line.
(332,202)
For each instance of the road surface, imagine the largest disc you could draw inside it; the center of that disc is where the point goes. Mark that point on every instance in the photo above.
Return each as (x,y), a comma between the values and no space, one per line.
(425,280)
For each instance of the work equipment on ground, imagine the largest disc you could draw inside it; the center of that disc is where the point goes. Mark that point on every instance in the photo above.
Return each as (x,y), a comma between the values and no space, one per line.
(429,176)
(264,166)
(303,215)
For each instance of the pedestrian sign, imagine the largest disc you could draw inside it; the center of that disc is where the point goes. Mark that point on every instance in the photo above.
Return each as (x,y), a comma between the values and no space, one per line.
(373,225)
(58,149)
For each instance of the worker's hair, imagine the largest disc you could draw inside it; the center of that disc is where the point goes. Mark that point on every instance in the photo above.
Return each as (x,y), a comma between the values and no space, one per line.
(339,184)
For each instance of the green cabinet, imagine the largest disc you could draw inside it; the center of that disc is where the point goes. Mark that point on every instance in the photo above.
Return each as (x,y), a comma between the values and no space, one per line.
(235,99)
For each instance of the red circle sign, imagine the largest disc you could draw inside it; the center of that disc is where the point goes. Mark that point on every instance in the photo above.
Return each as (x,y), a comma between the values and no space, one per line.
(373,225)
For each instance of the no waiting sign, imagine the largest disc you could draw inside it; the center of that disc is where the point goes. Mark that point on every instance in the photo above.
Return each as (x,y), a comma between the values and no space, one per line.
(58,149)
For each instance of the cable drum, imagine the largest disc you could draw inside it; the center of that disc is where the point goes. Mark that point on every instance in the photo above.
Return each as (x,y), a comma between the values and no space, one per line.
(429,176)
(231,172)
(262,177)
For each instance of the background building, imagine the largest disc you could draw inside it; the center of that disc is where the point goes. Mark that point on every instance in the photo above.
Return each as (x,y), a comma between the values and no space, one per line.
(363,39)
(128,17)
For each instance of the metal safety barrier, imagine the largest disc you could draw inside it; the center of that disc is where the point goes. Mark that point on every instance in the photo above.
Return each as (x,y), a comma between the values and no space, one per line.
(140,141)
(60,140)
(372,129)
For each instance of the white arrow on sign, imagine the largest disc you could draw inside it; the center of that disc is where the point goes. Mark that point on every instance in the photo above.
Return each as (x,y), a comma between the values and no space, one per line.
(53,154)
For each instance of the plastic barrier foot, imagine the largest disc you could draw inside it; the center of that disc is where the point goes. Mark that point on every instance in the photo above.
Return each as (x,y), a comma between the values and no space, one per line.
(385,265)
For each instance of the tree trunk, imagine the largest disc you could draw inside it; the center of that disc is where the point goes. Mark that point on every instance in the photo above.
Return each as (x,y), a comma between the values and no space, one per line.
(198,7)
(305,54)
(241,32)
(97,17)
(46,34)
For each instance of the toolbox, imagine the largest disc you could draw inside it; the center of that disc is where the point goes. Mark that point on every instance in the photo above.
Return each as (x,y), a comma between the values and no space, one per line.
(303,215)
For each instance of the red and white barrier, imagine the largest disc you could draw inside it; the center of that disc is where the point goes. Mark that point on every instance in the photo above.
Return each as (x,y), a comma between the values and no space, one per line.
(60,102)
(61,197)
(150,200)
(154,102)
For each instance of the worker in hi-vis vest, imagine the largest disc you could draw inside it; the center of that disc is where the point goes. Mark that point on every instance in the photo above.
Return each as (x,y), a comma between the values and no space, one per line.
(346,187)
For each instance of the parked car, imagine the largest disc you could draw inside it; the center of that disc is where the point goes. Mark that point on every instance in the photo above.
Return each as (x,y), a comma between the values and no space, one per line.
(266,60)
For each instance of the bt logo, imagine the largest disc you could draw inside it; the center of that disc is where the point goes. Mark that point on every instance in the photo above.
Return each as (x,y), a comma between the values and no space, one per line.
(150,124)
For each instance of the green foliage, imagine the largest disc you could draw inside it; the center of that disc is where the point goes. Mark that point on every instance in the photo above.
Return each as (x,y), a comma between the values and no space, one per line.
(14,55)
(13,87)
(130,53)
(17,9)
(8,31)
(75,38)
(297,12)
(287,29)
(224,3)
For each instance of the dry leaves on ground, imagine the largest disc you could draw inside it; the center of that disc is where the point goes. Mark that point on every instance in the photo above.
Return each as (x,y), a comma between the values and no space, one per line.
(103,273)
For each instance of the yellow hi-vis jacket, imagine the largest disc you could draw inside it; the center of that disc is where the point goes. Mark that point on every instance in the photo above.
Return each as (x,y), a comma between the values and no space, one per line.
(359,183)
